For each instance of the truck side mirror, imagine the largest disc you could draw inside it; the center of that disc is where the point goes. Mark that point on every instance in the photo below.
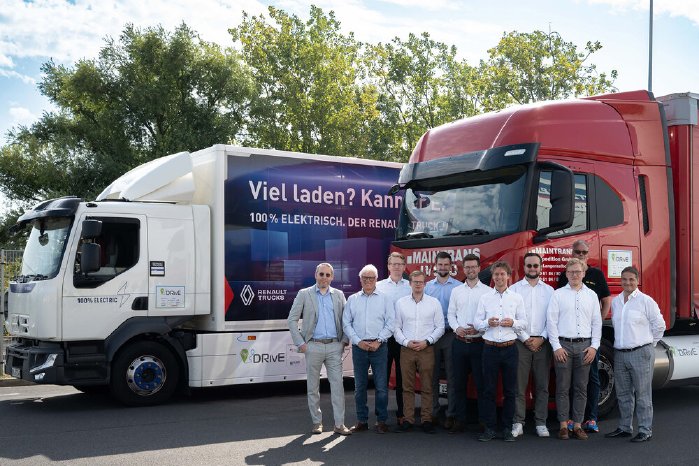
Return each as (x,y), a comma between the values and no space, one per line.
(562,202)
(90,257)
(91,229)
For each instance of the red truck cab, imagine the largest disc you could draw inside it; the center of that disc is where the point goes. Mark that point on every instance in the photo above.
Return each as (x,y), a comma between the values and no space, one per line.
(614,170)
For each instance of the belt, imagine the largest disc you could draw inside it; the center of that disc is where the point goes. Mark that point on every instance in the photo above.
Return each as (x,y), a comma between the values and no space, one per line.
(325,341)
(469,340)
(504,344)
(448,329)
(370,340)
(573,340)
(628,350)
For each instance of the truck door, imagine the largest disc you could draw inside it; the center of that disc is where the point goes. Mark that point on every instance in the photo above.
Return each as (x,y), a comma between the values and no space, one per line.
(95,304)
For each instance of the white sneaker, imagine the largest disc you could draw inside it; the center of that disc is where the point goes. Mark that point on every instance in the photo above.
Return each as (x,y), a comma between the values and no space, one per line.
(317,429)
(542,431)
(517,429)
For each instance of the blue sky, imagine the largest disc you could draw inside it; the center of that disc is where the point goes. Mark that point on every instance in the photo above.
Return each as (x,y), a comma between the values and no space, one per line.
(32,32)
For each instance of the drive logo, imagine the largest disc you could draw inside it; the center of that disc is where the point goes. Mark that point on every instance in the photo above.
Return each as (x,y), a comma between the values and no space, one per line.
(247,295)
(250,356)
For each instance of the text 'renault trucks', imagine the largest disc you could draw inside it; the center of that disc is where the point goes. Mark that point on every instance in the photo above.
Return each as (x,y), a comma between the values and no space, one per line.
(620,171)
(182,272)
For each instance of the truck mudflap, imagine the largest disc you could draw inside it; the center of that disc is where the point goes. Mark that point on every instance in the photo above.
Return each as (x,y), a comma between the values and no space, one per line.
(45,363)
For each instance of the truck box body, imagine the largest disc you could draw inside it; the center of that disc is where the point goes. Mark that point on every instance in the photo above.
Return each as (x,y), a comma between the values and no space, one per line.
(617,171)
(201,256)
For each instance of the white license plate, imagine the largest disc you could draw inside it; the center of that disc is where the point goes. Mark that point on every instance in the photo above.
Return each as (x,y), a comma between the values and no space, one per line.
(16,372)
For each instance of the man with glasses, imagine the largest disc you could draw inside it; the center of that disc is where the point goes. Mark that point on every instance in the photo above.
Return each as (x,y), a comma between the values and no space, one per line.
(396,287)
(533,347)
(467,347)
(574,325)
(322,340)
(368,323)
(419,324)
(594,280)
(441,287)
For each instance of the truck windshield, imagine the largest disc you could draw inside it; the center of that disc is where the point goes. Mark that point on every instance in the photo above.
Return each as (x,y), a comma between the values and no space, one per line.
(464,204)
(44,250)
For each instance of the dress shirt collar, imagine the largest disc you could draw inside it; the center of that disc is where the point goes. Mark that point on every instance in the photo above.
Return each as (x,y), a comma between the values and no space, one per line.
(539,282)
(479,284)
(632,295)
(317,290)
(372,293)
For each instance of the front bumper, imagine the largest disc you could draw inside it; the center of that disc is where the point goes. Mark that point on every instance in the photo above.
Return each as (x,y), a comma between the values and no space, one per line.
(45,363)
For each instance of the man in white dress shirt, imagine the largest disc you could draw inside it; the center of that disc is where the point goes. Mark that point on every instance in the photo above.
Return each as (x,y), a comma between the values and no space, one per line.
(501,316)
(574,325)
(419,323)
(467,347)
(638,326)
(533,346)
(396,287)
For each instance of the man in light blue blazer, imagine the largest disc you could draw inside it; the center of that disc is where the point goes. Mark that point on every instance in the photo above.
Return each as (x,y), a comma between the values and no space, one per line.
(322,340)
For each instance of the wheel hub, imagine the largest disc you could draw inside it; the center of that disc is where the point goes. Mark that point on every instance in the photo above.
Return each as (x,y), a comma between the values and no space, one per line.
(146,375)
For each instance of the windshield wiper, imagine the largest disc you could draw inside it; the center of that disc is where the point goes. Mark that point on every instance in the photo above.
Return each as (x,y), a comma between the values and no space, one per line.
(472,232)
(418,235)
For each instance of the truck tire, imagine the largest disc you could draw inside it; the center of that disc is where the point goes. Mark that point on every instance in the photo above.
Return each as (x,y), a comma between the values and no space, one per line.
(607,394)
(144,373)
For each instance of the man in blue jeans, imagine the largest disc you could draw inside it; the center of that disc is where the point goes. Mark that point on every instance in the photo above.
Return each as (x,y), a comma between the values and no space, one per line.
(594,279)
(368,323)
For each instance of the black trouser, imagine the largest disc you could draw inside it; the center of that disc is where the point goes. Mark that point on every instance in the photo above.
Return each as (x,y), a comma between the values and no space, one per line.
(394,355)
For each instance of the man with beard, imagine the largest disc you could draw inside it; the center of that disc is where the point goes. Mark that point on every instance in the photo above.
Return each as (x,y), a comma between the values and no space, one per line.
(533,348)
(467,348)
(441,288)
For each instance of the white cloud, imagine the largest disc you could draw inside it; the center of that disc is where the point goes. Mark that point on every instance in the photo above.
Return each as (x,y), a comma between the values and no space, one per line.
(21,116)
(68,31)
(686,8)
(15,75)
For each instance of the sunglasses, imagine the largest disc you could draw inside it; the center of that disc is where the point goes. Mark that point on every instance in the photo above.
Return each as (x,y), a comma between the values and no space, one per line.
(325,274)
(582,253)
(532,266)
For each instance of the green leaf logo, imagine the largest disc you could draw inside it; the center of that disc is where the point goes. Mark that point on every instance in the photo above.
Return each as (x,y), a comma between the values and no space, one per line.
(244,355)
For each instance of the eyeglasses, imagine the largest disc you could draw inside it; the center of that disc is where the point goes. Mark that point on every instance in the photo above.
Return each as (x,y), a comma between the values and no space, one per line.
(368,279)
(574,272)
(579,252)
(325,274)
(532,266)
(471,267)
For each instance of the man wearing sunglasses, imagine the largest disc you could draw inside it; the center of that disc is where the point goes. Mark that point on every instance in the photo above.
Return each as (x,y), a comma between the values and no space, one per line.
(322,340)
(533,347)
(594,280)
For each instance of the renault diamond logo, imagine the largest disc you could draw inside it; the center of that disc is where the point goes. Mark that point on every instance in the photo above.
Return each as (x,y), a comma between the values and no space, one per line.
(247,295)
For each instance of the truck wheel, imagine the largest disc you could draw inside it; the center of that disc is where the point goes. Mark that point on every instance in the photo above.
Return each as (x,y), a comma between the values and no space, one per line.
(143,374)
(607,394)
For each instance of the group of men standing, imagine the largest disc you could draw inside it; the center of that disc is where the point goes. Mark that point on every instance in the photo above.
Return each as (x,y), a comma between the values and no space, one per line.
(502,333)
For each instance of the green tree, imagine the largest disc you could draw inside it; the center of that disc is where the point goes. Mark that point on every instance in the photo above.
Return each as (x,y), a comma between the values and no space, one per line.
(149,94)
(421,84)
(536,66)
(308,78)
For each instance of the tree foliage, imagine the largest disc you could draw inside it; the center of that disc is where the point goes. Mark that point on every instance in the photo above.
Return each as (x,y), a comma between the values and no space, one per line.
(149,94)
(536,66)
(307,75)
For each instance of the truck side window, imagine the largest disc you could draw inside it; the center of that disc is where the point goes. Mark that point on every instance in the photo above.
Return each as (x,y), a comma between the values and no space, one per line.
(543,205)
(119,242)
(609,209)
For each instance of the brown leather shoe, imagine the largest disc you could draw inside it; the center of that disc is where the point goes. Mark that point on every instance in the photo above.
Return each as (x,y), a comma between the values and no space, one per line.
(579,434)
(381,427)
(359,427)
(563,433)
(449,422)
